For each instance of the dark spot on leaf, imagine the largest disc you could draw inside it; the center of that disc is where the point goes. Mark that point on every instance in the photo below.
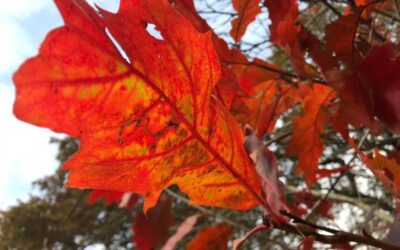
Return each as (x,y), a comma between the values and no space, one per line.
(112,67)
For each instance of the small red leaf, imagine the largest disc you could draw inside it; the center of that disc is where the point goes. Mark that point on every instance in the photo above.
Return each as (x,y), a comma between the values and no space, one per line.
(110,197)
(306,198)
(342,45)
(379,74)
(153,230)
(307,243)
(266,100)
(247,11)
(286,31)
(306,142)
(385,169)
(284,28)
(324,209)
(211,238)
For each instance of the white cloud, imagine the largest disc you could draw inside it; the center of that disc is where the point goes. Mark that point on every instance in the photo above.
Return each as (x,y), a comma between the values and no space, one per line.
(22,8)
(25,152)
(16,43)
(110,5)
(15,46)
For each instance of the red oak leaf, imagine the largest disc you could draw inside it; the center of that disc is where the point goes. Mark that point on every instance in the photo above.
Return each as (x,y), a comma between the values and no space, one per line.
(145,122)
(251,74)
(379,74)
(247,11)
(286,32)
(307,243)
(354,107)
(264,95)
(249,86)
(368,87)
(211,238)
(343,45)
(273,99)
(385,169)
(283,15)
(152,230)
(323,208)
(306,142)
(249,109)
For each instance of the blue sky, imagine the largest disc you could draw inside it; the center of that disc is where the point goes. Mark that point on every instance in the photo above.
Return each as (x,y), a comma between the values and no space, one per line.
(25,151)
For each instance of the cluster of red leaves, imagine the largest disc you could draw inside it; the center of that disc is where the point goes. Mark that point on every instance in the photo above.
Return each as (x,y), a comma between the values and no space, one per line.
(152,229)
(173,112)
(310,202)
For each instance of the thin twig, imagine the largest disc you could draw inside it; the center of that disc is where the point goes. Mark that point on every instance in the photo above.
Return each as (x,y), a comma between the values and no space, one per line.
(278,138)
(333,9)
(319,202)
(281,72)
(382,13)
(382,213)
(73,208)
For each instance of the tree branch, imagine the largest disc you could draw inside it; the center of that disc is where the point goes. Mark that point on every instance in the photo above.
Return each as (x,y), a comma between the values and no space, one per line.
(336,237)
(379,213)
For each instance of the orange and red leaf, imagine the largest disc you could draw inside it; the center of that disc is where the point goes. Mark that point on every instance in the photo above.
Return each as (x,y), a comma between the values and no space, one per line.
(385,169)
(211,238)
(247,11)
(306,142)
(145,122)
